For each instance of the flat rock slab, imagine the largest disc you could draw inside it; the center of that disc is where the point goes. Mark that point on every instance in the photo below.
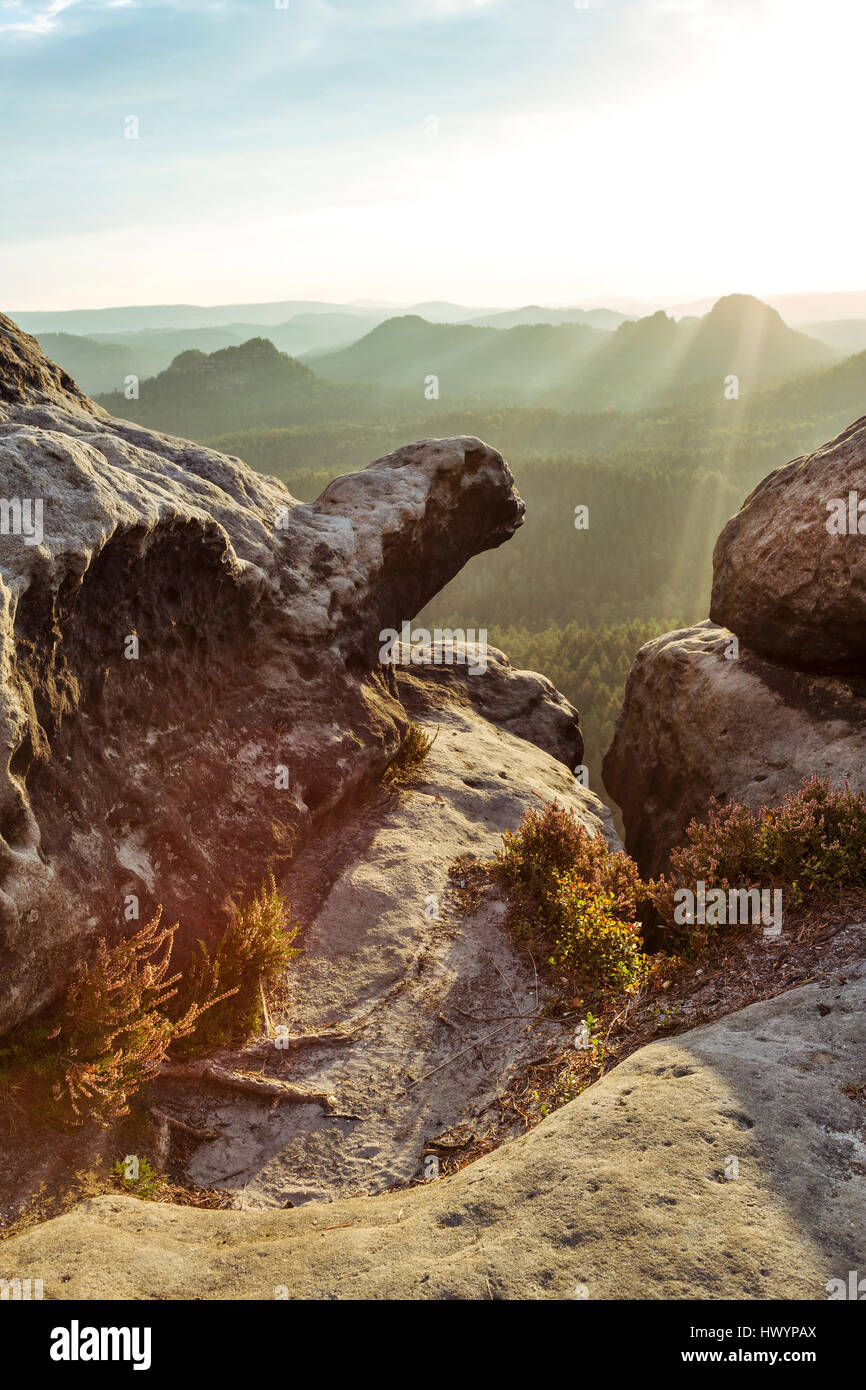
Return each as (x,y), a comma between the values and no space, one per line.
(624,1193)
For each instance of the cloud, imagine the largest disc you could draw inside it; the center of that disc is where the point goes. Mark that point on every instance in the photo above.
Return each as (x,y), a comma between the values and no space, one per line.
(458,6)
(41,22)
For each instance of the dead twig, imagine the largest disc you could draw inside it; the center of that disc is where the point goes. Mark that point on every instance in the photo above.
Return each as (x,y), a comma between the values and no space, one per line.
(265,1047)
(266,1017)
(249,1082)
(496,1018)
(499,972)
(449,1060)
(535,968)
(163,1117)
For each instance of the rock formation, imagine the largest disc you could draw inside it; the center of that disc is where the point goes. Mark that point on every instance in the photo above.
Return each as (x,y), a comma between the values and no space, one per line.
(790,568)
(190,658)
(627,1192)
(192,683)
(747,720)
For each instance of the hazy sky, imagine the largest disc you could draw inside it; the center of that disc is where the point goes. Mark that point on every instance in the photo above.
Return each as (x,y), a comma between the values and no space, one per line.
(657,148)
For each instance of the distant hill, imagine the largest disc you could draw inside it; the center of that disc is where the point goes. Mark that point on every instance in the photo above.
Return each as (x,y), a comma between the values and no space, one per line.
(849,334)
(657,361)
(799,309)
(251,386)
(522,361)
(133,318)
(96,366)
(156,350)
(442,311)
(100,363)
(534,313)
(827,401)
(573,367)
(321,332)
(136,318)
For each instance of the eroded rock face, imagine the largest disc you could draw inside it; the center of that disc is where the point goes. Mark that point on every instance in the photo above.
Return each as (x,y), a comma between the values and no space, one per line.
(390,940)
(697,724)
(791,588)
(189,662)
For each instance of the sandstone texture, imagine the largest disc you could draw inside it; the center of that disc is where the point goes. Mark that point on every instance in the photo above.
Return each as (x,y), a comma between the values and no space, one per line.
(697,724)
(789,587)
(395,955)
(189,668)
(725,1163)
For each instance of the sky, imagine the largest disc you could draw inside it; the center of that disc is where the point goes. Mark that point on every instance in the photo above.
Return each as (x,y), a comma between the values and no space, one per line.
(491,152)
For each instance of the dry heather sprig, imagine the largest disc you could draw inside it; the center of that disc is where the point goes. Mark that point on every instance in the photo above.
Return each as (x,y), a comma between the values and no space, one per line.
(122,1011)
(113,1030)
(255,948)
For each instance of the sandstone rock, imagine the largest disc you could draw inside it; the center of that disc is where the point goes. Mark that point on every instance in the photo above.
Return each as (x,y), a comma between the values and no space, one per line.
(189,658)
(697,724)
(389,939)
(523,702)
(724,1163)
(704,716)
(789,588)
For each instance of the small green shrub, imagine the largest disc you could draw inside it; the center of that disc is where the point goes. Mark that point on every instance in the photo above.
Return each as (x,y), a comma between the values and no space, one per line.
(139,1177)
(549,844)
(407,762)
(596,951)
(574,901)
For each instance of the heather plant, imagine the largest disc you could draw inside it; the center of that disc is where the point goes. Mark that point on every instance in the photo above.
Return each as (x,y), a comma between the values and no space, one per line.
(574,901)
(551,843)
(109,1034)
(410,756)
(122,1012)
(812,846)
(595,951)
(255,948)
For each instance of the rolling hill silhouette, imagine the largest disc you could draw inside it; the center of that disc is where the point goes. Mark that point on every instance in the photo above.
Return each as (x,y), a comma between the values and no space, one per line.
(651,361)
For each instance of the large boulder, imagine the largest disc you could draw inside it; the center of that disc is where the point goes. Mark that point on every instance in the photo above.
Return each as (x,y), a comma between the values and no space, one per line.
(790,568)
(189,658)
(699,722)
(772,689)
